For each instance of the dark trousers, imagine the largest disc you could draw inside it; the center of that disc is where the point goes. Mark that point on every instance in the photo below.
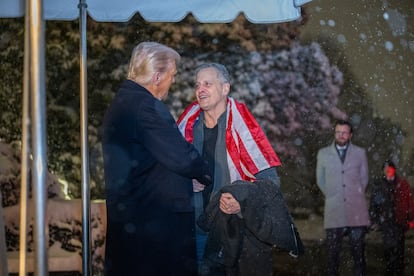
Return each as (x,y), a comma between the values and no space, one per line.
(394,244)
(356,237)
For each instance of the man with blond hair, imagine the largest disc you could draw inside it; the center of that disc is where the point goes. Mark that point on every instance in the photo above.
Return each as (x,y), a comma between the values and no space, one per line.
(148,171)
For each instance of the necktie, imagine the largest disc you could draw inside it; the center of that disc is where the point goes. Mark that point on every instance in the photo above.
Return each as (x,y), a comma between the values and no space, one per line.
(342,154)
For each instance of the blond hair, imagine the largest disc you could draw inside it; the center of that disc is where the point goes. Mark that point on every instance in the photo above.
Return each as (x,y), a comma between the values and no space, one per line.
(148,58)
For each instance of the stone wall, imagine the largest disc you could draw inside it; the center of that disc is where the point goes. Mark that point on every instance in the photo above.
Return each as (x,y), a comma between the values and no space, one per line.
(64,221)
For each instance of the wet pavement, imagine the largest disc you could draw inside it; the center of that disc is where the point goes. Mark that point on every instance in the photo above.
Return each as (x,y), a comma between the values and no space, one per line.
(313,263)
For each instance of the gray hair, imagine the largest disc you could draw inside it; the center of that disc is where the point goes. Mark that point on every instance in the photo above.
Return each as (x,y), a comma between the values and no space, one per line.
(222,72)
(148,58)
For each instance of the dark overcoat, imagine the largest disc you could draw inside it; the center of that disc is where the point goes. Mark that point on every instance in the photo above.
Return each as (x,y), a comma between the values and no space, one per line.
(243,244)
(392,203)
(148,170)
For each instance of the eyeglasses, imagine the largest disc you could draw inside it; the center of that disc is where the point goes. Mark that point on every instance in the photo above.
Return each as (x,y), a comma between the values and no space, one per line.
(342,132)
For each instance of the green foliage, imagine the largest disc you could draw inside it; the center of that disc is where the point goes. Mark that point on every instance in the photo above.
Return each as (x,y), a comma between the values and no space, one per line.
(11,58)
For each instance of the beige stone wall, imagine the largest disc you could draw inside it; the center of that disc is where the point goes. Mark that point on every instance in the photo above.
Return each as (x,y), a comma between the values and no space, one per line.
(64,218)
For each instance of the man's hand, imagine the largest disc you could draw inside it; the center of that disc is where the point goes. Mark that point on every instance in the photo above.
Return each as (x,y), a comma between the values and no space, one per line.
(197,186)
(228,204)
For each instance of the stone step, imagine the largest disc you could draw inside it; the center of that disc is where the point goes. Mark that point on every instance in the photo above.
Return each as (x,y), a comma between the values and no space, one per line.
(59,260)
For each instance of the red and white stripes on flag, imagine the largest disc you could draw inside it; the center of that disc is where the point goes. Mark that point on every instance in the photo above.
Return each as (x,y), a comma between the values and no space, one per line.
(248,149)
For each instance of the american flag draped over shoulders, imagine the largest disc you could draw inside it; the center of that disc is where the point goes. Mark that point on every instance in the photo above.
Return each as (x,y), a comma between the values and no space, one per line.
(248,149)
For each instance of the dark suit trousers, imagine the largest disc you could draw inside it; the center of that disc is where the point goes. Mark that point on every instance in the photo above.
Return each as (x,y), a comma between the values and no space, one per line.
(356,237)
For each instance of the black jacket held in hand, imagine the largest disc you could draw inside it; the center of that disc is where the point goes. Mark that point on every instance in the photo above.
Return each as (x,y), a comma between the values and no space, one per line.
(265,223)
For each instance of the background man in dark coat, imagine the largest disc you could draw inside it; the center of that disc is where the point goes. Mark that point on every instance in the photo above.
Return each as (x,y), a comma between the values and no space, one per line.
(391,209)
(148,171)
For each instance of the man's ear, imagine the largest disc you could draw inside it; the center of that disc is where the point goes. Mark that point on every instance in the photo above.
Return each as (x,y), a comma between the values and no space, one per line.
(226,89)
(156,78)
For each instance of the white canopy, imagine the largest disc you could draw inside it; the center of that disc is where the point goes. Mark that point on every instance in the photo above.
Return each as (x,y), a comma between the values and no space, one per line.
(217,11)
(34,96)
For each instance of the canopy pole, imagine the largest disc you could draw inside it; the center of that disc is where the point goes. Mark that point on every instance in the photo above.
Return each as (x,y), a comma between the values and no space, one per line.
(3,249)
(86,231)
(38,111)
(25,150)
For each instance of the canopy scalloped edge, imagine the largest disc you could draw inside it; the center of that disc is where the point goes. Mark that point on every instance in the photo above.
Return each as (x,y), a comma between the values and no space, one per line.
(205,11)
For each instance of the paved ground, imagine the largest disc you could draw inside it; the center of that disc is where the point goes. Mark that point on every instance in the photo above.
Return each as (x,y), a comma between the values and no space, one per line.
(313,263)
